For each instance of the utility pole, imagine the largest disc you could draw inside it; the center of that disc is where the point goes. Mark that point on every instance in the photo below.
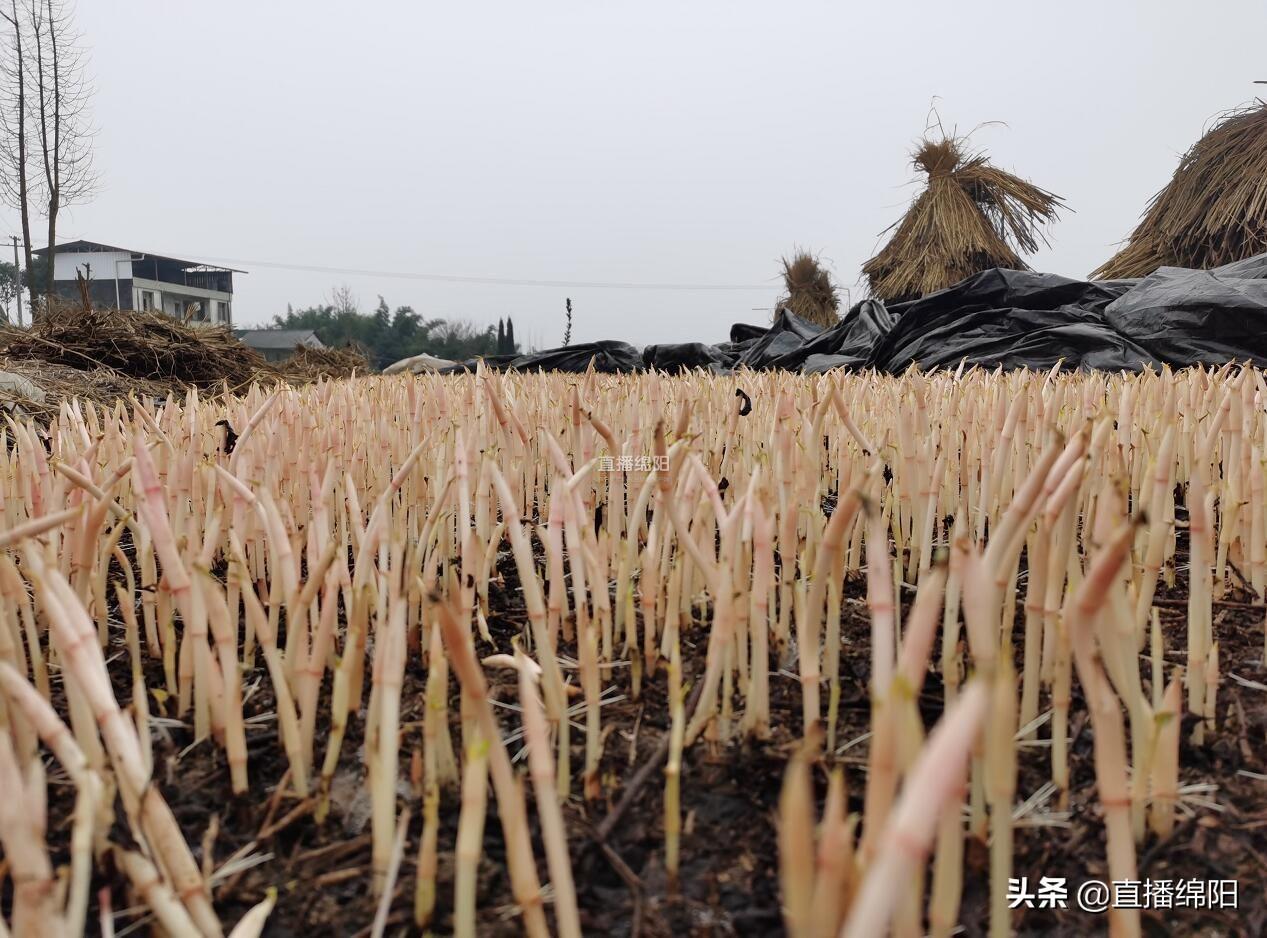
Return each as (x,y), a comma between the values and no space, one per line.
(17,272)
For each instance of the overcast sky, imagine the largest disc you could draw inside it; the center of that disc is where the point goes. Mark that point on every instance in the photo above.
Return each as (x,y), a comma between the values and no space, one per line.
(637,142)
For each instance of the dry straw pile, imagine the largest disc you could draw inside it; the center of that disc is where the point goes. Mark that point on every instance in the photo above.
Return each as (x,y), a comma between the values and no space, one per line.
(1213,211)
(105,355)
(146,345)
(809,291)
(54,384)
(311,364)
(971,216)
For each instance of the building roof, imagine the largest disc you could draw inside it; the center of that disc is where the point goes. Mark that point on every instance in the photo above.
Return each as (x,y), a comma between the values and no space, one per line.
(278,338)
(96,247)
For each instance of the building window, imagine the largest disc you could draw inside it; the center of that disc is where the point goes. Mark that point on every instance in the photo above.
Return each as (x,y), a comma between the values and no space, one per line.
(222,311)
(147,300)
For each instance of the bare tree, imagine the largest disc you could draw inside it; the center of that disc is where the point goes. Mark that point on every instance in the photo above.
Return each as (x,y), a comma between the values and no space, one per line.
(344,300)
(58,77)
(13,143)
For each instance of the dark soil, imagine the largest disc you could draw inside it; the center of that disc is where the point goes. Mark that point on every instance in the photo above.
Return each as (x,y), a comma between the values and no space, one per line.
(729,865)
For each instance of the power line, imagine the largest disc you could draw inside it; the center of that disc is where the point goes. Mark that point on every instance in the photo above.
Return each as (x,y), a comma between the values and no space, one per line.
(495,281)
(492,281)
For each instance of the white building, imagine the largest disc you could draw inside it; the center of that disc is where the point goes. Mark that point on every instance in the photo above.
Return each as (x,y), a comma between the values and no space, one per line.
(120,278)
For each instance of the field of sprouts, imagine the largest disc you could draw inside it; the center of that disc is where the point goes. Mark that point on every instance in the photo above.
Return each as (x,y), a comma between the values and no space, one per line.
(637,655)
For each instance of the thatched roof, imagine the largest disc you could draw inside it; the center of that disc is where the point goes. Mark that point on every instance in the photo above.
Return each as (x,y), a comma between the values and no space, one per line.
(971,216)
(1214,209)
(809,290)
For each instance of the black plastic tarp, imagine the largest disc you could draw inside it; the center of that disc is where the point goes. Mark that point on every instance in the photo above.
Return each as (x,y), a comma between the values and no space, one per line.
(996,318)
(1012,318)
(608,356)
(847,344)
(1000,288)
(1208,317)
(684,356)
(1015,338)
(742,332)
(788,334)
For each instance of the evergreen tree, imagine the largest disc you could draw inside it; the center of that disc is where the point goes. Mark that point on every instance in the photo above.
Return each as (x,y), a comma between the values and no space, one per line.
(382,318)
(388,335)
(511,347)
(501,337)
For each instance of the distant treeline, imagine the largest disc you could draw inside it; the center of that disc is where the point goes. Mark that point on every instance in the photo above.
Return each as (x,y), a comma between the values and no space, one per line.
(386,336)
